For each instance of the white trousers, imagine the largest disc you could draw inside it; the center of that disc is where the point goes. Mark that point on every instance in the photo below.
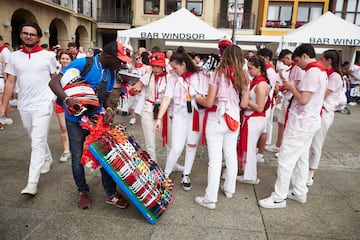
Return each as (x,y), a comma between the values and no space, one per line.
(269,124)
(256,126)
(147,123)
(181,134)
(293,163)
(327,120)
(36,123)
(220,139)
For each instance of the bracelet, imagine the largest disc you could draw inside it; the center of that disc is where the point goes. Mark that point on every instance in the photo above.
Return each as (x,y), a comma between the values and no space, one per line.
(65,99)
(159,119)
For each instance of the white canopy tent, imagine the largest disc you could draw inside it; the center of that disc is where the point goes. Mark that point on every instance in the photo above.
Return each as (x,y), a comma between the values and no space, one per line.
(181,26)
(327,31)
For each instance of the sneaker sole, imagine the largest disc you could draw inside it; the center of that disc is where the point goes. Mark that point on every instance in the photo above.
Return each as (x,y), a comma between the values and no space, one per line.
(122,207)
(205,205)
(187,188)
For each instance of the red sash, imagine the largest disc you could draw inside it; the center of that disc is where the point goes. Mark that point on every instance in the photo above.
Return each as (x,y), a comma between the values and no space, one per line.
(212,109)
(242,144)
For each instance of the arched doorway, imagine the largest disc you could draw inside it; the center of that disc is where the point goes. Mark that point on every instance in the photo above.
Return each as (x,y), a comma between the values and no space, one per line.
(58,33)
(19,17)
(81,37)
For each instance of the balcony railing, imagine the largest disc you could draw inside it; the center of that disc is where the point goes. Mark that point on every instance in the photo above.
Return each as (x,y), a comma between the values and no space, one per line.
(116,15)
(247,23)
(65,3)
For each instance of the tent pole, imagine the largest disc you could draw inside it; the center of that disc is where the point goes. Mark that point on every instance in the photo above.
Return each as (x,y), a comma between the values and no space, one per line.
(233,26)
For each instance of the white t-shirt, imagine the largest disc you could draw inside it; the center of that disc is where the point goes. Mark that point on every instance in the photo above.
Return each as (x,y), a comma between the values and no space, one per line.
(335,85)
(355,71)
(32,76)
(4,57)
(307,117)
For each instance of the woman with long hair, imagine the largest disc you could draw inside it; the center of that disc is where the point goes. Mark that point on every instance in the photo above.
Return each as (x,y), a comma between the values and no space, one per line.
(254,119)
(331,60)
(187,81)
(64,58)
(228,91)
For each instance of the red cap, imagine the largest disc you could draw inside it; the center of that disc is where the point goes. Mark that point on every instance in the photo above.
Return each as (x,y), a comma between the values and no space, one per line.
(158,59)
(118,50)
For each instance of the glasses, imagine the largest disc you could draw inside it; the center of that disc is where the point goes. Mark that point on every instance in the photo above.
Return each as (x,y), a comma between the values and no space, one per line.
(157,57)
(26,34)
(137,58)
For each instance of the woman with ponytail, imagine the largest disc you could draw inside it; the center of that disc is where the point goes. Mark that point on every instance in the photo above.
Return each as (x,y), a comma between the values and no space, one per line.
(254,119)
(331,60)
(228,91)
(183,85)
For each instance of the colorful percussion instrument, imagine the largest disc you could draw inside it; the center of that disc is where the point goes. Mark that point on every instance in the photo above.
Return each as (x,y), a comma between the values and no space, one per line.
(136,174)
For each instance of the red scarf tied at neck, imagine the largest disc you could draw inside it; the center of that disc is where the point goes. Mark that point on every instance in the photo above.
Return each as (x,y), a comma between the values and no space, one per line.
(157,77)
(330,71)
(35,49)
(317,64)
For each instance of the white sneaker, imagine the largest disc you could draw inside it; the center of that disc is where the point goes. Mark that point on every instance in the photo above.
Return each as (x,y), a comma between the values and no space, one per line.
(13,102)
(310,182)
(186,182)
(132,121)
(352,103)
(178,168)
(205,203)
(31,189)
(65,156)
(46,167)
(276,155)
(242,180)
(270,202)
(293,196)
(260,158)
(6,121)
(227,194)
(272,148)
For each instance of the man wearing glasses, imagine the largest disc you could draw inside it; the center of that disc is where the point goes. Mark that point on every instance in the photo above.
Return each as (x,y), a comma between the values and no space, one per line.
(32,67)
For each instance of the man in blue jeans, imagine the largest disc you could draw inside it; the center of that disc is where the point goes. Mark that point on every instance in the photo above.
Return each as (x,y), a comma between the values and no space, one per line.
(101,76)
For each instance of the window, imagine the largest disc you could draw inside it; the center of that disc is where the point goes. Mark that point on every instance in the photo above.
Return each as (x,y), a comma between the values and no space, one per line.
(195,6)
(279,15)
(151,6)
(308,12)
(348,10)
(172,6)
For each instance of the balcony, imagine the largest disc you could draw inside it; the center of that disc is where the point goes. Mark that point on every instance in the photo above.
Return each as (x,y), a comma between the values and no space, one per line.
(117,15)
(248,21)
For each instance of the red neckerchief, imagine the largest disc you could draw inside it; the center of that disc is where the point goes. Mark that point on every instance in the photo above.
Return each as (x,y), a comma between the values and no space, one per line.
(317,64)
(139,65)
(35,49)
(330,71)
(293,64)
(2,47)
(157,77)
(269,65)
(187,75)
(257,79)
(357,64)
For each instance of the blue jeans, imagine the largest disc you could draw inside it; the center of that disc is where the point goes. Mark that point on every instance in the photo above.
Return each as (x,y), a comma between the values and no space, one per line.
(76,140)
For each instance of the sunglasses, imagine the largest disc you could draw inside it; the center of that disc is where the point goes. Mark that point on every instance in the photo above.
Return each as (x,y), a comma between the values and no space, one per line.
(137,58)
(157,57)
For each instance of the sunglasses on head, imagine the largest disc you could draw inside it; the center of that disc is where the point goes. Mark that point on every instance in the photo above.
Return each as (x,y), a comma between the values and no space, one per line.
(157,57)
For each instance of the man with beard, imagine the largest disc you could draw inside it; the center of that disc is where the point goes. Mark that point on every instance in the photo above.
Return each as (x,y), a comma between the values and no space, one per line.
(32,68)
